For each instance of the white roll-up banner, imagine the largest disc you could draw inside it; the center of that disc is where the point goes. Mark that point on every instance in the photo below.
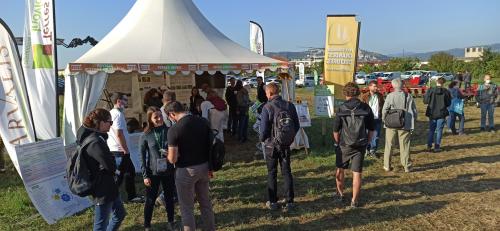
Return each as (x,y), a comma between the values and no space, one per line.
(257,41)
(16,126)
(39,65)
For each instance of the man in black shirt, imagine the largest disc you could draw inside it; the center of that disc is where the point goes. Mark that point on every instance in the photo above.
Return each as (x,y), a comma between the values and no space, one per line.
(232,103)
(188,145)
(261,93)
(351,143)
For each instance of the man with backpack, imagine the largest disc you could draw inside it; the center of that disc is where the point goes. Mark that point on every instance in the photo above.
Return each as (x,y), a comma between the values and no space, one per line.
(487,97)
(353,128)
(278,127)
(438,99)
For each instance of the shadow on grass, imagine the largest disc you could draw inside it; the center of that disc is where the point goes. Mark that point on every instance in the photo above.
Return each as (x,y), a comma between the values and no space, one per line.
(358,217)
(453,162)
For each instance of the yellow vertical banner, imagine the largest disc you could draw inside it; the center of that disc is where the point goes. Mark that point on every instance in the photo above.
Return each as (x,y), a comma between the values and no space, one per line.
(341,51)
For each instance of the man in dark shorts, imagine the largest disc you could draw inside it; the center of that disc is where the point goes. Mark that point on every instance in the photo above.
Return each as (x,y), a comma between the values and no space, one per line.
(350,126)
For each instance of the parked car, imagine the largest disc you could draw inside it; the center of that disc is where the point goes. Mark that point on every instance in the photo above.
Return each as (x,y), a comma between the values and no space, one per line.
(390,75)
(446,75)
(360,78)
(308,81)
(406,74)
(272,79)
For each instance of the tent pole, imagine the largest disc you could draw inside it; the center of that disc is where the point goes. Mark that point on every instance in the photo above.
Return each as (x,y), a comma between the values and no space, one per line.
(58,120)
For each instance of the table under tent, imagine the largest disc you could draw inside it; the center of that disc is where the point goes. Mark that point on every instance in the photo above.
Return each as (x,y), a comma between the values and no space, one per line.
(166,44)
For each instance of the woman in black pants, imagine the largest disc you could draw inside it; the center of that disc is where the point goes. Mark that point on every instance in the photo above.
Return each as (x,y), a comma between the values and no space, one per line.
(155,168)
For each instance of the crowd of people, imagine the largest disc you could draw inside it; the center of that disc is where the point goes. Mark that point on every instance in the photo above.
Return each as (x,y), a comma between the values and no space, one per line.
(174,148)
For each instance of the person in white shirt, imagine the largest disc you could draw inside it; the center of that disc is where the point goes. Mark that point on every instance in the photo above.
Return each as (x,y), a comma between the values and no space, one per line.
(118,144)
(376,101)
(215,117)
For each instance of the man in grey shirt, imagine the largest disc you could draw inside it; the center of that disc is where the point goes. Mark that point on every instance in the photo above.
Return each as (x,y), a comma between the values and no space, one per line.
(396,100)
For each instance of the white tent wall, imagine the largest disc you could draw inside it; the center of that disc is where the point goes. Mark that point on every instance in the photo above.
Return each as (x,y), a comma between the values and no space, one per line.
(81,93)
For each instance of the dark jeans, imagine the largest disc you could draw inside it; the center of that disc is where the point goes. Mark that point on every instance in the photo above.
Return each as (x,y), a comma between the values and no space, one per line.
(487,111)
(167,183)
(435,128)
(127,173)
(232,121)
(373,145)
(243,127)
(452,118)
(101,215)
(273,157)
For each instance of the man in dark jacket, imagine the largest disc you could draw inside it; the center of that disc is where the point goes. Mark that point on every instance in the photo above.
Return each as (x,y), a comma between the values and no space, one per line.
(261,92)
(487,97)
(274,153)
(438,99)
(347,153)
(376,102)
(232,103)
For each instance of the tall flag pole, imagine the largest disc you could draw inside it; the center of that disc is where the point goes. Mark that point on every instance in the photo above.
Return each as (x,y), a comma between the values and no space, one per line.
(40,66)
(257,41)
(16,124)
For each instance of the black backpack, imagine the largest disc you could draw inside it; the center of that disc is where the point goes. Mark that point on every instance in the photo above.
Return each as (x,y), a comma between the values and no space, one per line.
(77,172)
(283,127)
(217,151)
(395,118)
(353,132)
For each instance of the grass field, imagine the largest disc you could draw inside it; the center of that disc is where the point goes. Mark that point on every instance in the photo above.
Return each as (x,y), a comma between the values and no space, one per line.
(457,189)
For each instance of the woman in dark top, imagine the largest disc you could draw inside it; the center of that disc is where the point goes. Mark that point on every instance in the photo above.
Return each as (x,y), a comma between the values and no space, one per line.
(102,169)
(242,111)
(195,97)
(155,168)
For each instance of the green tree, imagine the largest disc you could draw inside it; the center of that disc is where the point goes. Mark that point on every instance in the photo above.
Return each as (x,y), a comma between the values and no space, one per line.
(402,64)
(441,62)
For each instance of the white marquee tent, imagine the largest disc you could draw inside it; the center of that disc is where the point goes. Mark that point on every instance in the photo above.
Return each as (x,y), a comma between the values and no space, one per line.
(164,37)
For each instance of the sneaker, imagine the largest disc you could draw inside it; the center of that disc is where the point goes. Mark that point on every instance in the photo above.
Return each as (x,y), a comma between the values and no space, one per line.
(482,130)
(437,149)
(288,207)
(387,169)
(337,197)
(428,149)
(372,154)
(354,204)
(462,134)
(160,201)
(137,199)
(492,130)
(408,169)
(272,206)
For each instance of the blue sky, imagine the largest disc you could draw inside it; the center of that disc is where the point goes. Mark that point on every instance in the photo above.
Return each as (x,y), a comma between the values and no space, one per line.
(387,26)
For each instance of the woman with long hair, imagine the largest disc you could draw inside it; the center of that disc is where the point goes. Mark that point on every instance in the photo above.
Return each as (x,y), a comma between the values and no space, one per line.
(195,96)
(156,169)
(102,169)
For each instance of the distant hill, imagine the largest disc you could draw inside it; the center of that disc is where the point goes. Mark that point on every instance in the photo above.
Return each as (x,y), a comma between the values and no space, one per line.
(457,52)
(364,55)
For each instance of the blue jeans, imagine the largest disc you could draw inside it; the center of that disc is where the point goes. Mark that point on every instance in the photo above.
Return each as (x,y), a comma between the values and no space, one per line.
(102,212)
(435,127)
(373,145)
(453,118)
(487,108)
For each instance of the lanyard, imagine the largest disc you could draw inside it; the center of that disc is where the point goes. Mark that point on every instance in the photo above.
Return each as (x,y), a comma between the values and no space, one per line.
(159,140)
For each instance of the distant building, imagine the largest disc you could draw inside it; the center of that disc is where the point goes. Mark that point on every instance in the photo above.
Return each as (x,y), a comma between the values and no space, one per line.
(472,53)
